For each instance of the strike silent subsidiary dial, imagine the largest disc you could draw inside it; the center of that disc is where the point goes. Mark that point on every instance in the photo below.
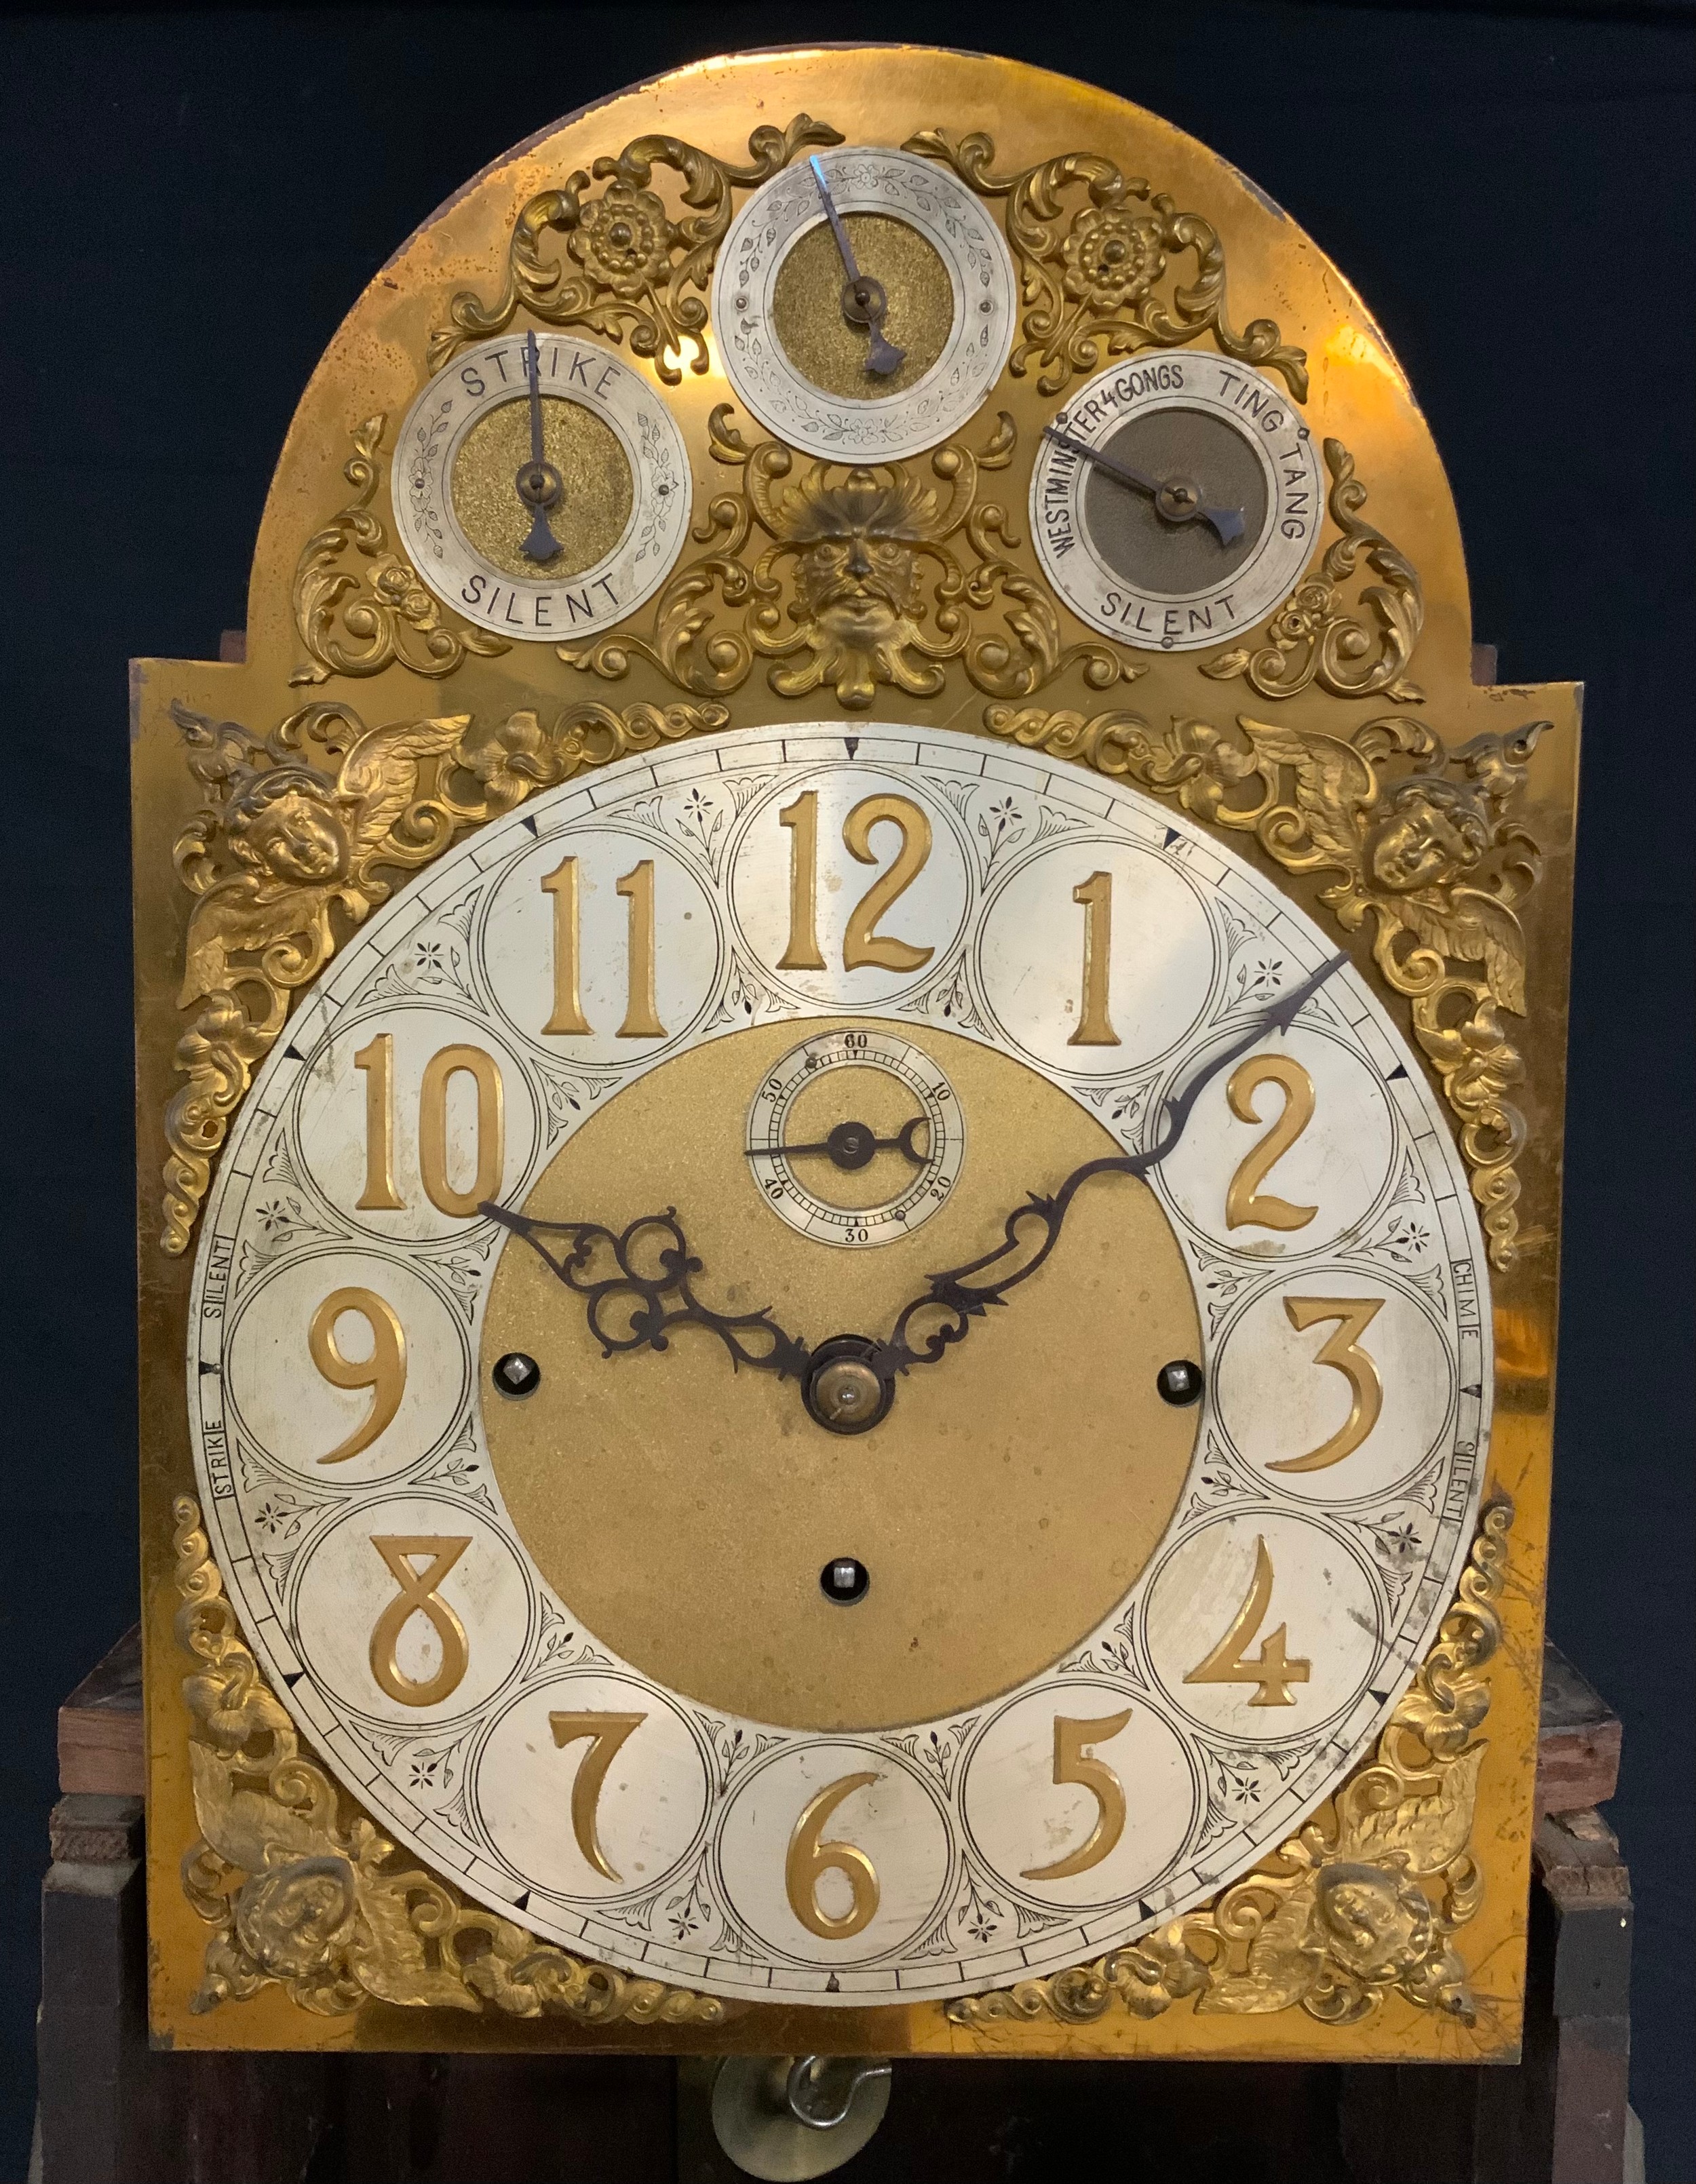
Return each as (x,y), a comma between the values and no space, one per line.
(1176,501)
(541,487)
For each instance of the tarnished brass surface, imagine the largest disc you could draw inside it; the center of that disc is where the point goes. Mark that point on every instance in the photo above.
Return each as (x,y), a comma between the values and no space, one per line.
(595,477)
(676,1563)
(807,305)
(1344,747)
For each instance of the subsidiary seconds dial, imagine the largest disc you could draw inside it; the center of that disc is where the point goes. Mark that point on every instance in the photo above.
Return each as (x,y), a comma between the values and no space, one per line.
(1176,501)
(855,1137)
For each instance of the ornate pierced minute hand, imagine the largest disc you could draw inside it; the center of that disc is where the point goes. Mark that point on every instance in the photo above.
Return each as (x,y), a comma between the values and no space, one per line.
(960,1300)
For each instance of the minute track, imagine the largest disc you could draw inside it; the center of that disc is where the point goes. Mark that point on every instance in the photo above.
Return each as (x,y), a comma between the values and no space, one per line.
(755,1340)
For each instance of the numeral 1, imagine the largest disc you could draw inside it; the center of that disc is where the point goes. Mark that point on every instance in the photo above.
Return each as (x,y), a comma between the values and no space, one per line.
(568,1018)
(1095,897)
(377,1061)
(802,817)
(1271,1669)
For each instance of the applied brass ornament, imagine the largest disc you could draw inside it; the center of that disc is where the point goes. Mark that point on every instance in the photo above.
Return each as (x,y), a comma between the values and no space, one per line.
(1095,251)
(321,1904)
(383,606)
(871,577)
(628,265)
(1365,1901)
(1431,854)
(287,855)
(1317,636)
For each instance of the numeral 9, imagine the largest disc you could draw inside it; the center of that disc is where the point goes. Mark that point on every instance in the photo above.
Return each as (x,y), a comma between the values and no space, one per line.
(384,1372)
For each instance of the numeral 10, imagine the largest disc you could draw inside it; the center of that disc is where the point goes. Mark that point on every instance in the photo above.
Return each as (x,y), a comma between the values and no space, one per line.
(380,1195)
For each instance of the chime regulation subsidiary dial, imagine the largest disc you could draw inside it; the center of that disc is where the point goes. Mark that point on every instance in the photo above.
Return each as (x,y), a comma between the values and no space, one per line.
(855,1137)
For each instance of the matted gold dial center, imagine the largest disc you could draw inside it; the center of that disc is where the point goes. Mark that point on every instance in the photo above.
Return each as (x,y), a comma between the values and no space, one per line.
(1005,1502)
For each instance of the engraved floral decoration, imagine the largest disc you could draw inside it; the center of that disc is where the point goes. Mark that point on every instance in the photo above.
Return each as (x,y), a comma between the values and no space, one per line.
(630,270)
(1092,263)
(384,612)
(866,576)
(300,1895)
(1365,1901)
(1417,838)
(290,851)
(1317,636)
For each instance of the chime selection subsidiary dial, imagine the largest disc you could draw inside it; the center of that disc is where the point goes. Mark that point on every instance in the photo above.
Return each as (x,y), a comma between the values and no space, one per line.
(1176,501)
(864,301)
(541,487)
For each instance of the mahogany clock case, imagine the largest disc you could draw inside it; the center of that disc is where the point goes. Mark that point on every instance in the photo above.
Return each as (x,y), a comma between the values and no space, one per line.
(1251,307)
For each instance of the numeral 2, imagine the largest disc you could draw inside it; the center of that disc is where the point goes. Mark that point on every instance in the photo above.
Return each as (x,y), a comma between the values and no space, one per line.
(1244,1205)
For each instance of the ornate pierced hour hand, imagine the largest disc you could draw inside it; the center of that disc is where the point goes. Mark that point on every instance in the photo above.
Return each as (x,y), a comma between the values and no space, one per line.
(847,1383)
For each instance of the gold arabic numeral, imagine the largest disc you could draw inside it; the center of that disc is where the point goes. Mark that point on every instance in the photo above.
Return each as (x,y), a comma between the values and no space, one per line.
(418,1595)
(1342,1352)
(801,817)
(1243,1205)
(606,1733)
(809,1857)
(432,1128)
(641,1020)
(384,1372)
(377,1061)
(862,944)
(1074,1762)
(1095,1026)
(1271,1669)
(568,1019)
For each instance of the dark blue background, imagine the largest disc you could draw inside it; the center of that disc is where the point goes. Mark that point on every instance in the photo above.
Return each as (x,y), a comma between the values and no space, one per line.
(190,202)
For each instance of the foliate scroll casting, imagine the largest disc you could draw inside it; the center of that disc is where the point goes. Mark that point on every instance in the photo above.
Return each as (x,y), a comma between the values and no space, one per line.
(327,1908)
(850,576)
(628,267)
(1420,840)
(356,618)
(1100,260)
(1319,635)
(292,849)
(1365,1901)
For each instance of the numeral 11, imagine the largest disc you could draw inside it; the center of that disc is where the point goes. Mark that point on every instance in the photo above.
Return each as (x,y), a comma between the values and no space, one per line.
(641,1016)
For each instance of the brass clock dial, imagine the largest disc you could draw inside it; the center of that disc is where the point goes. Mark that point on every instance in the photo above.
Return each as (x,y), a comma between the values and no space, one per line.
(531,1444)
(1176,500)
(541,487)
(864,303)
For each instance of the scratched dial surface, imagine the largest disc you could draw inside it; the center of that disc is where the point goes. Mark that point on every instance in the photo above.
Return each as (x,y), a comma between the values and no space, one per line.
(573,1642)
